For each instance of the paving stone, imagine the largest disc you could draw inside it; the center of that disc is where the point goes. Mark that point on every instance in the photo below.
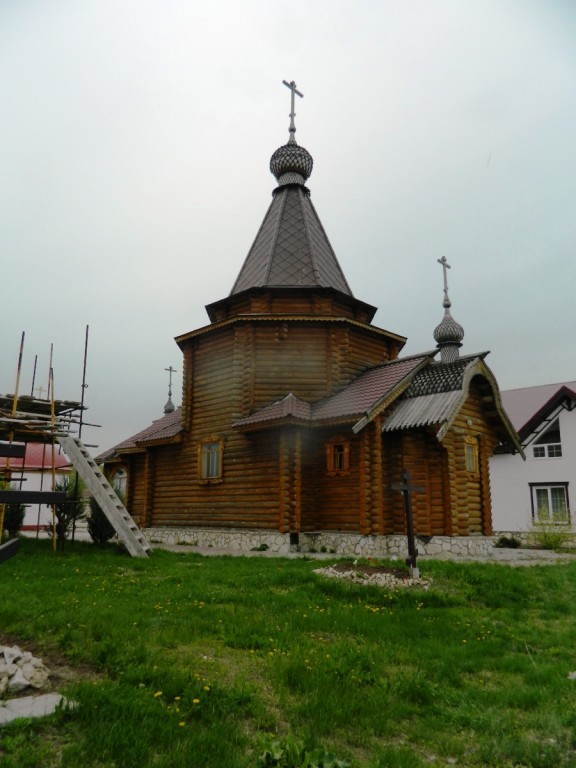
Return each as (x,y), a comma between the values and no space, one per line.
(29,706)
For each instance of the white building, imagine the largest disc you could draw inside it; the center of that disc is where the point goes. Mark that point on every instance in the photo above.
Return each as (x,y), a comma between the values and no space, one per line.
(34,473)
(541,489)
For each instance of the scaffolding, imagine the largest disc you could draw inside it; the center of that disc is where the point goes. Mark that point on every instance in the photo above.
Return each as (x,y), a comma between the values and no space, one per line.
(27,419)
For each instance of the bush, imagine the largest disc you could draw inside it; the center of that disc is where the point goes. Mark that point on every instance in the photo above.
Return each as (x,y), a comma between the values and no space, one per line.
(550,536)
(507,542)
(100,528)
(13,514)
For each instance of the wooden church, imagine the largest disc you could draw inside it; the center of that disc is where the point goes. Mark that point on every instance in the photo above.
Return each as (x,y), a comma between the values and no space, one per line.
(299,415)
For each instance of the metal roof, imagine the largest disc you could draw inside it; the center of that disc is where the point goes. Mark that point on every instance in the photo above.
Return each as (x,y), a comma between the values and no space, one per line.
(291,248)
(38,457)
(159,431)
(357,399)
(422,411)
(523,404)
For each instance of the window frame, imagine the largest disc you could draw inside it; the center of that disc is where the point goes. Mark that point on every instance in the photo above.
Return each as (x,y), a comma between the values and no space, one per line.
(471,455)
(337,450)
(551,518)
(551,448)
(121,491)
(203,454)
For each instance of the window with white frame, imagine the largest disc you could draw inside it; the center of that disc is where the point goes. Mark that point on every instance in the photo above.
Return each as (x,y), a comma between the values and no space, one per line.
(548,445)
(550,503)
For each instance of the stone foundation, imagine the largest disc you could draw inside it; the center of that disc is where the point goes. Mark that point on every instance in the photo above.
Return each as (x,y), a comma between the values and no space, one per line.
(352,544)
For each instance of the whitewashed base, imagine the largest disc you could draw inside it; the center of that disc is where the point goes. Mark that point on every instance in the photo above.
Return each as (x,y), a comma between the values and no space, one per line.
(325,541)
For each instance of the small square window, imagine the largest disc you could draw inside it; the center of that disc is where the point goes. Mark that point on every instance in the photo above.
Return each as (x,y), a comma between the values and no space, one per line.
(539,451)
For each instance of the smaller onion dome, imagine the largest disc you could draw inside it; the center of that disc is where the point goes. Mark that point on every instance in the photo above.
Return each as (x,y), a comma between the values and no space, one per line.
(291,164)
(448,334)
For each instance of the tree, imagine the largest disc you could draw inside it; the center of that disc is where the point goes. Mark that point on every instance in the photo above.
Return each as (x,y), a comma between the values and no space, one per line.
(99,527)
(13,513)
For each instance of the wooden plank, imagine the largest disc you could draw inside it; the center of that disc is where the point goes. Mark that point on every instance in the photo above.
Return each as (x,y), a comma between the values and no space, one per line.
(32,497)
(12,451)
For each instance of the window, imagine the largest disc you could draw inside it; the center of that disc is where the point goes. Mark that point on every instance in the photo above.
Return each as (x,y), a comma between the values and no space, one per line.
(548,445)
(119,481)
(210,459)
(471,454)
(337,455)
(550,504)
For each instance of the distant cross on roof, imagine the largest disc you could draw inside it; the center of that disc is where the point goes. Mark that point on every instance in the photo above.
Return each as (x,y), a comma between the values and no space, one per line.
(445,266)
(292,129)
(169,407)
(40,391)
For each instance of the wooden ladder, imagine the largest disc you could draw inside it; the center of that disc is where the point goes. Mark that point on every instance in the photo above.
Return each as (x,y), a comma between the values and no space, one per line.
(128,532)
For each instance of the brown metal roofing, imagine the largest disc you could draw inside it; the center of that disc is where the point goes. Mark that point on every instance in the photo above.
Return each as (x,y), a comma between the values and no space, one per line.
(291,248)
(289,406)
(160,430)
(437,393)
(364,393)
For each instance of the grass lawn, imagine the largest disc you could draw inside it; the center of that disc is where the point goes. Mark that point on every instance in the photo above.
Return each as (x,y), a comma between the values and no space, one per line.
(203,661)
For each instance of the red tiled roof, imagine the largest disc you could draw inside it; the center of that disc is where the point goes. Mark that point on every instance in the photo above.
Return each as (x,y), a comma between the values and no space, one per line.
(38,457)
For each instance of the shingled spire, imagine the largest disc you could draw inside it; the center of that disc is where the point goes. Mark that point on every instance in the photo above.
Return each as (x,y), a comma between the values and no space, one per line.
(291,249)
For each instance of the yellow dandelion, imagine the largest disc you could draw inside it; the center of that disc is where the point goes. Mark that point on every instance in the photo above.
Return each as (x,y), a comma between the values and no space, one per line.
(206,687)
(182,724)
(195,701)
(158,693)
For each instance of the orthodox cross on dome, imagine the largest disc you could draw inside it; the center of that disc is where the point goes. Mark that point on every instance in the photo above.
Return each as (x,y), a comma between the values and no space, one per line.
(449,333)
(292,129)
(169,407)
(445,266)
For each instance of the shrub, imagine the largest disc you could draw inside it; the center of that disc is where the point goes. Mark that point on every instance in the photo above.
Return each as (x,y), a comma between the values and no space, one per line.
(550,536)
(13,514)
(507,542)
(100,528)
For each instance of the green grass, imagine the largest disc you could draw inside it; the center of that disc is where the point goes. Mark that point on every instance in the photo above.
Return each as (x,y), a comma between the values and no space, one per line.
(200,659)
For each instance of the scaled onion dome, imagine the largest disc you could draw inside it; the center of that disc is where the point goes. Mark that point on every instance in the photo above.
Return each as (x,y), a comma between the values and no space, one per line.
(291,164)
(448,335)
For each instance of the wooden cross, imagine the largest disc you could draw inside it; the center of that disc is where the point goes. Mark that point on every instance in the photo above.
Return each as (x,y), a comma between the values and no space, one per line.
(292,86)
(407,489)
(445,266)
(40,391)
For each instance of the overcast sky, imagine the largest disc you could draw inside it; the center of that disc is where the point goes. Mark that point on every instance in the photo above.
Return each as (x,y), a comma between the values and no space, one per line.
(135,139)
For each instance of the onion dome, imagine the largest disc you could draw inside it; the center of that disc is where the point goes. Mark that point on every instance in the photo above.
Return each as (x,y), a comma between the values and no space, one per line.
(448,334)
(291,164)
